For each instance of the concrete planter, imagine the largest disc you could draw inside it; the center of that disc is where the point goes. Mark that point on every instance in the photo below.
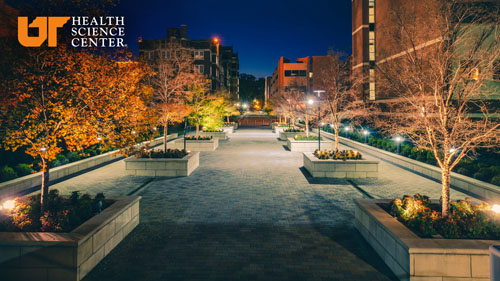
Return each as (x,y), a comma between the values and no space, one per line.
(163,167)
(228,129)
(413,258)
(45,256)
(219,135)
(328,168)
(286,135)
(278,130)
(306,146)
(197,145)
(16,186)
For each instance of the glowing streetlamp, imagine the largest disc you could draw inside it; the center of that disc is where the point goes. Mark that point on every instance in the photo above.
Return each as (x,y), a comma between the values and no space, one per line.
(310,101)
(398,140)
(346,130)
(496,208)
(366,133)
(216,42)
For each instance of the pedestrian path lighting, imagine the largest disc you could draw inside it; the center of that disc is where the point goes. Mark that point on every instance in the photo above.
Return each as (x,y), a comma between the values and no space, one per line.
(398,140)
(366,133)
(346,130)
(319,116)
(496,208)
(245,106)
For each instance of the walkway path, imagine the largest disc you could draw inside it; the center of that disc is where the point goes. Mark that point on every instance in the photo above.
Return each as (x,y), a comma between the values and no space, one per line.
(250,213)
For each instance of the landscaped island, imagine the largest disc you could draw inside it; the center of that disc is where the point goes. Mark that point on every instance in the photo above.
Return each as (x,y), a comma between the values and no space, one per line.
(158,163)
(217,133)
(339,164)
(287,133)
(303,143)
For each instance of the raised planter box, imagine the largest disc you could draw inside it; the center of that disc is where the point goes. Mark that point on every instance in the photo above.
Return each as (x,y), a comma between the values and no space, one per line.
(329,168)
(19,185)
(219,135)
(197,145)
(286,135)
(228,129)
(306,146)
(413,258)
(163,167)
(45,256)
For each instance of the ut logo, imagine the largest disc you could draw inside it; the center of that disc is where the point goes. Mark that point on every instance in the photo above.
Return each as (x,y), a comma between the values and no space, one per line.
(45,25)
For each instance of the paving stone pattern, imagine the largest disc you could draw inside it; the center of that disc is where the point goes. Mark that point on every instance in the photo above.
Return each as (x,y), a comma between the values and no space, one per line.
(249,212)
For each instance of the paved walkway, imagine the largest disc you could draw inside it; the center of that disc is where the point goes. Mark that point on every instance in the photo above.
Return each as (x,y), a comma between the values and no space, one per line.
(247,213)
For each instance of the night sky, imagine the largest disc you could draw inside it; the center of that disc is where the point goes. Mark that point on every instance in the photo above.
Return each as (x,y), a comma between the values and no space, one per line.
(261,31)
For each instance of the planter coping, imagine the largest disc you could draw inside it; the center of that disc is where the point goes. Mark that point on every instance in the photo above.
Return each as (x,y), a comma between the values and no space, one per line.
(416,244)
(75,237)
(186,157)
(308,141)
(313,158)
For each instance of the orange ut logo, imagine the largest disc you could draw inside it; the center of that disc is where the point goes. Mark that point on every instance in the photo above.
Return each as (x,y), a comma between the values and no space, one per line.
(41,23)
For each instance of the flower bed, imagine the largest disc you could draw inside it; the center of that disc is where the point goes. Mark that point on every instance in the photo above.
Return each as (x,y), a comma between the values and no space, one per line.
(198,138)
(338,155)
(293,130)
(348,165)
(412,257)
(67,256)
(157,166)
(464,221)
(213,130)
(286,135)
(157,153)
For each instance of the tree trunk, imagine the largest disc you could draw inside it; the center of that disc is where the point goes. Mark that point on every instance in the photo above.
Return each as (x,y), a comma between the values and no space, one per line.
(45,187)
(445,192)
(197,130)
(293,122)
(307,125)
(227,118)
(280,119)
(165,131)
(337,133)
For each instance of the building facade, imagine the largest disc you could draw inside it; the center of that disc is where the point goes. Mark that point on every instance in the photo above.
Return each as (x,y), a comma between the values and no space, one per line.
(294,75)
(220,64)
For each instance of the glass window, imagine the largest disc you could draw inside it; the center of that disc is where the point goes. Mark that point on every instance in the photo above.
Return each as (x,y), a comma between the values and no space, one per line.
(288,73)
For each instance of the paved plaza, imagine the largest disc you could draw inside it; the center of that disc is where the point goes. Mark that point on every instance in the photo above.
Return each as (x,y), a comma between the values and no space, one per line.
(249,212)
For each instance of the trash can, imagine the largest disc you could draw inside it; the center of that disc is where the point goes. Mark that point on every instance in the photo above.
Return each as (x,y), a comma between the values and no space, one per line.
(494,263)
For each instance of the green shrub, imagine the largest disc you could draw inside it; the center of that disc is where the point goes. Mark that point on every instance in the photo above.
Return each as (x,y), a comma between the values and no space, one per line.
(62,159)
(484,174)
(23,169)
(73,156)
(170,153)
(430,158)
(464,171)
(338,155)
(406,151)
(91,152)
(7,173)
(496,180)
(306,138)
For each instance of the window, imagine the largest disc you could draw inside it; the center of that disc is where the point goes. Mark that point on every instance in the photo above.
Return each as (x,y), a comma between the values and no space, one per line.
(199,54)
(289,73)
(200,68)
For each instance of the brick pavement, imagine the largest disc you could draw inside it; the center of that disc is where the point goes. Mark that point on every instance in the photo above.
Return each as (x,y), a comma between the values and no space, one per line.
(250,213)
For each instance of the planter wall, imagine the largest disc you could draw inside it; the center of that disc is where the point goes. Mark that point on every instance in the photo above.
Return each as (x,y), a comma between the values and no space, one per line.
(197,145)
(286,135)
(16,186)
(413,258)
(329,168)
(219,135)
(487,191)
(228,129)
(44,256)
(163,167)
(306,146)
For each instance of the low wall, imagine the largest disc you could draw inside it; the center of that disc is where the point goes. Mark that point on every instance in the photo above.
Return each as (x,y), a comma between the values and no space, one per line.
(329,168)
(228,129)
(483,190)
(197,145)
(163,167)
(413,258)
(305,146)
(20,185)
(45,256)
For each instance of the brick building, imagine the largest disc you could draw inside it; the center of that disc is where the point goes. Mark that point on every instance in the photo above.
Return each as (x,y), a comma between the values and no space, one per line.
(298,75)
(374,29)
(220,66)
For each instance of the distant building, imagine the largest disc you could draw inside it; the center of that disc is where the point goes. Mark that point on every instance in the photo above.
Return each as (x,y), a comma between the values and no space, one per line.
(297,75)
(221,68)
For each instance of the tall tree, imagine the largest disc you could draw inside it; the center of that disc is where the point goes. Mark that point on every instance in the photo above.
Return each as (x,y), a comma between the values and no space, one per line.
(444,86)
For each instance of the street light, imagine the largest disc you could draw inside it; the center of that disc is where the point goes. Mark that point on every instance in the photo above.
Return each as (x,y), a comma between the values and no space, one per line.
(310,101)
(366,133)
(319,116)
(398,140)
(346,129)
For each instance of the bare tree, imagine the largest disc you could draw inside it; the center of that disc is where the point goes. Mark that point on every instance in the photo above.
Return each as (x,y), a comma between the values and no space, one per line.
(174,74)
(340,100)
(444,86)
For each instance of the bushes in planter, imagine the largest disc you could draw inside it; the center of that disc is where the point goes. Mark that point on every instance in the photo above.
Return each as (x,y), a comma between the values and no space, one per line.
(338,155)
(23,169)
(198,138)
(170,153)
(306,138)
(464,221)
(213,130)
(63,214)
(7,173)
(293,130)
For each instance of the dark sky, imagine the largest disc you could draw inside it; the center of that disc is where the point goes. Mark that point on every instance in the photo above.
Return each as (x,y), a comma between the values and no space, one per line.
(261,31)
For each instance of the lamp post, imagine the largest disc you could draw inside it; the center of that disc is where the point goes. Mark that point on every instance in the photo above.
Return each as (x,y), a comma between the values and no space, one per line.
(398,141)
(366,133)
(319,117)
(346,130)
